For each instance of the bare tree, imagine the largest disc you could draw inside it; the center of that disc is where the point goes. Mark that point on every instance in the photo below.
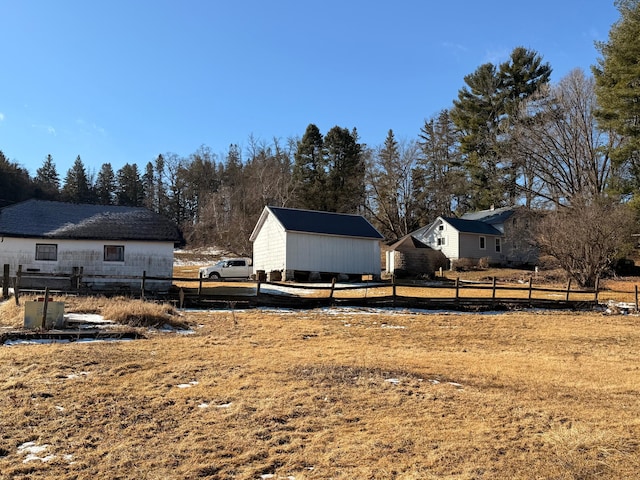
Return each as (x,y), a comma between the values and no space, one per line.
(564,154)
(390,196)
(587,237)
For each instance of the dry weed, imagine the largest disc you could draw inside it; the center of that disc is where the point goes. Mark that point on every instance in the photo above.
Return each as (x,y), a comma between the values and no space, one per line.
(123,310)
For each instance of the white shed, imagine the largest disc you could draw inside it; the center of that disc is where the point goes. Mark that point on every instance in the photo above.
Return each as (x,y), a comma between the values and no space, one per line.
(56,237)
(310,244)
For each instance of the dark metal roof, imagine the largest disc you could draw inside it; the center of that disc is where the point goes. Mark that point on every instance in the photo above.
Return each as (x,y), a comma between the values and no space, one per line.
(327,223)
(472,226)
(45,219)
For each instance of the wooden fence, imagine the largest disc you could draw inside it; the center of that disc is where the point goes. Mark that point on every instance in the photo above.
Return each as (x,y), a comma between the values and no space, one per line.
(457,294)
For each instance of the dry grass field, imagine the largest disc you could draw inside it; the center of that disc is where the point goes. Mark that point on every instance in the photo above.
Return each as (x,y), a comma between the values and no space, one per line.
(320,394)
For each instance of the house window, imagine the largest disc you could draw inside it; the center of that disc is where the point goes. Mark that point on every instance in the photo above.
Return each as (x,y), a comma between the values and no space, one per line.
(47,251)
(498,245)
(483,243)
(441,241)
(114,253)
(441,227)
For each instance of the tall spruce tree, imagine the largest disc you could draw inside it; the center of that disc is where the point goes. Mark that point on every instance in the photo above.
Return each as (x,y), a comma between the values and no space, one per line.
(76,187)
(47,180)
(310,171)
(105,187)
(617,76)
(345,179)
(129,190)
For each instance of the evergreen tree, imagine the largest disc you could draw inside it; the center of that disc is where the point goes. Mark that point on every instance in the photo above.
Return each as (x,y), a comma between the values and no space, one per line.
(105,187)
(310,171)
(47,180)
(15,183)
(617,77)
(148,184)
(346,169)
(76,187)
(439,178)
(129,190)
(482,114)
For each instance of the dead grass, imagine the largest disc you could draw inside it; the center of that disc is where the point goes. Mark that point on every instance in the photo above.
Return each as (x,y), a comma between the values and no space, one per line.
(122,310)
(337,394)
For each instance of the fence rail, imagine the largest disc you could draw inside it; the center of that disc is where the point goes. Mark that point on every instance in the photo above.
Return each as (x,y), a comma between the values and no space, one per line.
(204,292)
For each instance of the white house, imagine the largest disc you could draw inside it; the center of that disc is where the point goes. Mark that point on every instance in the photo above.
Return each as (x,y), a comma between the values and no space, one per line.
(307,244)
(500,235)
(56,237)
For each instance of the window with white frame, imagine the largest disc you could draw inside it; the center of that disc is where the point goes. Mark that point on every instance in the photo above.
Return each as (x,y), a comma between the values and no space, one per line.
(47,252)
(483,243)
(114,253)
(498,244)
(441,241)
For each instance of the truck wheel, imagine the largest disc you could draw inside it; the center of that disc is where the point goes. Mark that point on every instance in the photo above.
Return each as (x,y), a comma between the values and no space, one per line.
(214,275)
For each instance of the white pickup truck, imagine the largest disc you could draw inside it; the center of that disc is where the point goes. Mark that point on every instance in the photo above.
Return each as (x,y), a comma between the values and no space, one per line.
(231,268)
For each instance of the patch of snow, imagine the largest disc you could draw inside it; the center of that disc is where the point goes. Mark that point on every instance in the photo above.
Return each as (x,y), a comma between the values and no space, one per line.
(32,452)
(203,405)
(91,318)
(224,405)
(394,381)
(77,375)
(187,385)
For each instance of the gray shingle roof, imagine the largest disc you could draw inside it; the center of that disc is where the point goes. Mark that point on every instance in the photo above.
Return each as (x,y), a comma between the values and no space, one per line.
(472,226)
(327,223)
(45,219)
(491,216)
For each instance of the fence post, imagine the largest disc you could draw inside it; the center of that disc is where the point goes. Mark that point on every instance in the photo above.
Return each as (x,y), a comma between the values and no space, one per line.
(44,308)
(596,288)
(393,289)
(530,287)
(5,281)
(568,290)
(457,288)
(144,284)
(493,290)
(636,297)
(258,289)
(333,287)
(200,287)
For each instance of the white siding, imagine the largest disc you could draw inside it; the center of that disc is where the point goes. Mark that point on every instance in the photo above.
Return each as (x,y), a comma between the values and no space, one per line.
(156,258)
(269,251)
(448,239)
(326,253)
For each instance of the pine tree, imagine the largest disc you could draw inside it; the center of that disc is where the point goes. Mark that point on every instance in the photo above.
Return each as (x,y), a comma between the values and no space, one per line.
(617,76)
(129,190)
(482,114)
(105,187)
(47,180)
(345,179)
(76,187)
(310,171)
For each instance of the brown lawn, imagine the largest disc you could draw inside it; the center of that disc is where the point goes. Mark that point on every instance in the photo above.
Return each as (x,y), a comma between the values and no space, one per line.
(319,394)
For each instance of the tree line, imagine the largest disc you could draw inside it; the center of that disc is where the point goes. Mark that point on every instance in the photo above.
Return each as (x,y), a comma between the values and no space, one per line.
(509,138)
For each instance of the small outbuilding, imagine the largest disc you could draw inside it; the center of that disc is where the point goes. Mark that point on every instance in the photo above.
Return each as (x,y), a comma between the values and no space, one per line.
(99,240)
(307,244)
(411,257)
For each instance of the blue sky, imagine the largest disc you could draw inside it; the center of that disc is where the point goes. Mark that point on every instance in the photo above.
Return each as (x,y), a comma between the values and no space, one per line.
(123,81)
